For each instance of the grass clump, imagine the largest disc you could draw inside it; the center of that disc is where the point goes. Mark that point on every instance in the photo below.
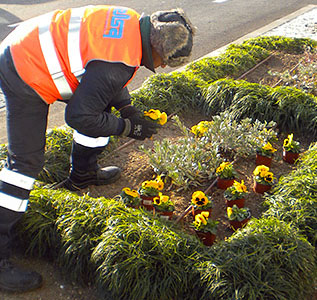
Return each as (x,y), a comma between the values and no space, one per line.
(177,91)
(64,226)
(294,199)
(265,260)
(232,63)
(289,45)
(290,108)
(57,155)
(3,155)
(37,228)
(142,258)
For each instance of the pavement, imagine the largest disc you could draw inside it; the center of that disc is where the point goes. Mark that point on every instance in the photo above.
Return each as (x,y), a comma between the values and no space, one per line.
(303,23)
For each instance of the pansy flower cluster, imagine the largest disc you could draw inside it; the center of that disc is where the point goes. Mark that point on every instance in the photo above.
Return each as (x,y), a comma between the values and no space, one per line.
(163,203)
(263,175)
(266,150)
(199,129)
(201,201)
(151,187)
(203,223)
(156,115)
(236,191)
(130,197)
(291,145)
(226,171)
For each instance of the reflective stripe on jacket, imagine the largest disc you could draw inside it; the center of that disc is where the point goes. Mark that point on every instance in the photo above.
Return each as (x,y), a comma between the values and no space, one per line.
(50,52)
(19,181)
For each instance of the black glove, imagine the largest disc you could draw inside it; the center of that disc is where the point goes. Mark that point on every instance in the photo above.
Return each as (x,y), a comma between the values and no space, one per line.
(129,111)
(138,128)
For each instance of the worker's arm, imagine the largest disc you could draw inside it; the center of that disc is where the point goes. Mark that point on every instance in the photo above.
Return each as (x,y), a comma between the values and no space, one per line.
(101,87)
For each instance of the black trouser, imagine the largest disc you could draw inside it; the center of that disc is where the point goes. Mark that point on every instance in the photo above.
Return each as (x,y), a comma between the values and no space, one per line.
(26,128)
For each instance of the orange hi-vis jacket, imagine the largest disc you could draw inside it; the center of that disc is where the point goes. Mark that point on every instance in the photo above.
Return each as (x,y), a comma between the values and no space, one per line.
(50,52)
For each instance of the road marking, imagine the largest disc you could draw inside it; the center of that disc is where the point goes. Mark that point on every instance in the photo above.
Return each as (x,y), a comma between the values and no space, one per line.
(219,1)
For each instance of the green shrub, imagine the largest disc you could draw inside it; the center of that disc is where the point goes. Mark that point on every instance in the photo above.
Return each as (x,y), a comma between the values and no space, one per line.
(294,199)
(289,45)
(290,108)
(265,260)
(143,258)
(236,60)
(177,91)
(3,155)
(57,155)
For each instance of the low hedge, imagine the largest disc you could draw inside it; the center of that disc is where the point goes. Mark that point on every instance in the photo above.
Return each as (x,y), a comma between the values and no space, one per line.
(292,109)
(268,259)
(131,255)
(173,92)
(294,199)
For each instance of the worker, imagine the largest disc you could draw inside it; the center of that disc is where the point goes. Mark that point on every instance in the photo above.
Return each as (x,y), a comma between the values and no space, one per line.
(85,57)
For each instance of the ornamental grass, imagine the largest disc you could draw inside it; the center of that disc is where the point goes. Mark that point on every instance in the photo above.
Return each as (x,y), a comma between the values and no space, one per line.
(236,60)
(290,108)
(142,258)
(294,199)
(57,155)
(174,92)
(267,259)
(287,44)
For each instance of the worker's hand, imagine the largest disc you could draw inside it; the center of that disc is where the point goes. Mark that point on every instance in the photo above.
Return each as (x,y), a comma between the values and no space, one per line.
(138,128)
(129,111)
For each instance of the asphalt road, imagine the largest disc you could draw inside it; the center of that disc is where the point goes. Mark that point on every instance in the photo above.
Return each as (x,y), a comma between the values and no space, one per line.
(218,23)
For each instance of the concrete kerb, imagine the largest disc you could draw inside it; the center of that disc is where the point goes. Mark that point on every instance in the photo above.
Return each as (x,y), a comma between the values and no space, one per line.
(256,33)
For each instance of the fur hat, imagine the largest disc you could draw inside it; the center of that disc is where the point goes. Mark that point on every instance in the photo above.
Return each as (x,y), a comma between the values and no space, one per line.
(172,36)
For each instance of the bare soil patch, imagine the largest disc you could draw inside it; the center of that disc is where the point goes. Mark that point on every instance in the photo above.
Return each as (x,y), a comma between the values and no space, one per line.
(135,169)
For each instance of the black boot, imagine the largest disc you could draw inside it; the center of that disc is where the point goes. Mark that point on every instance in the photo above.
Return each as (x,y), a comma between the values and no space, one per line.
(80,180)
(14,279)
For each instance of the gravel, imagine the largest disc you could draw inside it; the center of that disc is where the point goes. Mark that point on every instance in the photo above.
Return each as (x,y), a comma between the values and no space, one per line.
(303,26)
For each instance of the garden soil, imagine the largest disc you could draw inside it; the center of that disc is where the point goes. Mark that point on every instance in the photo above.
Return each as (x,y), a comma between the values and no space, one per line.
(135,169)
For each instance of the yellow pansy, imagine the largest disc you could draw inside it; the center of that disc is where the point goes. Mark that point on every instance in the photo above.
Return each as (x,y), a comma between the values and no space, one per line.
(200,218)
(260,169)
(289,140)
(199,198)
(157,200)
(150,184)
(154,114)
(164,198)
(222,166)
(268,177)
(200,128)
(205,214)
(229,212)
(126,189)
(160,183)
(163,118)
(286,142)
(240,187)
(194,129)
(269,147)
(197,223)
(132,193)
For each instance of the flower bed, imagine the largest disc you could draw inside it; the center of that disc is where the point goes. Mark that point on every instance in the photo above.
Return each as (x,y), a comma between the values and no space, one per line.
(130,254)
